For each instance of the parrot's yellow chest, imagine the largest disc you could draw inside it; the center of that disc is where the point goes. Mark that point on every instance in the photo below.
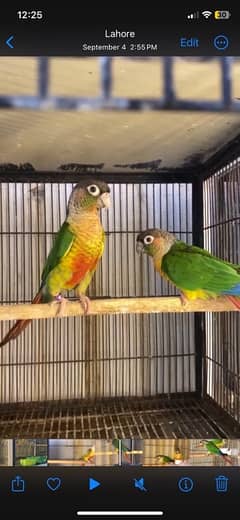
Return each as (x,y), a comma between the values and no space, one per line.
(80,261)
(198,294)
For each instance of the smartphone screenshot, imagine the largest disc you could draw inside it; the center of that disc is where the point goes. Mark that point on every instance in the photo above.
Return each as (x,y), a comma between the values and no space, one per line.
(120,264)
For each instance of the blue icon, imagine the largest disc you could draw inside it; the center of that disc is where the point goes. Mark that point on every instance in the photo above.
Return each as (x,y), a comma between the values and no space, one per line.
(53,483)
(93,484)
(139,484)
(221,484)
(9,42)
(18,485)
(221,42)
(185,484)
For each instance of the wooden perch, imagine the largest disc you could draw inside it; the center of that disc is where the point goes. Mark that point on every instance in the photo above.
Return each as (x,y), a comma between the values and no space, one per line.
(115,306)
(77,462)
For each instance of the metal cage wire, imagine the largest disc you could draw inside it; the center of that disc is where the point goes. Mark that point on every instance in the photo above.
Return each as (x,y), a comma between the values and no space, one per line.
(222,238)
(119,376)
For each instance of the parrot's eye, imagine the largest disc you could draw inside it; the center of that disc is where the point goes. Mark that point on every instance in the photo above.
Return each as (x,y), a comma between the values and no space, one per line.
(148,240)
(93,189)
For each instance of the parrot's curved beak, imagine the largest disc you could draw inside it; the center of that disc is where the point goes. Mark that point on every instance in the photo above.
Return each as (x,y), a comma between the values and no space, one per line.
(140,248)
(104,201)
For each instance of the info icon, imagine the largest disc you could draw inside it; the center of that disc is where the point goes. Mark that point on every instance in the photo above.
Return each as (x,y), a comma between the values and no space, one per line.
(185,484)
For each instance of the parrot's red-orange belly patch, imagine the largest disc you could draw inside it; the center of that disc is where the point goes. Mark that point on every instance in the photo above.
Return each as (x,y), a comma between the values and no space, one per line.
(79,268)
(74,280)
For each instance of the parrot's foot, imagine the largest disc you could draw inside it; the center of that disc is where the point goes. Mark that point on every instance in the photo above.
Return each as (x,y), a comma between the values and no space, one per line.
(183,299)
(62,305)
(85,303)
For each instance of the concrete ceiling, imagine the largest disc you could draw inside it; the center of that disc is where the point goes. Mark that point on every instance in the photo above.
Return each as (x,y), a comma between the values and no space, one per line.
(163,139)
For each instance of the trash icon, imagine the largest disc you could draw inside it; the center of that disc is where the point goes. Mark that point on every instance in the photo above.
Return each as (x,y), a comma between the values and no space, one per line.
(221,484)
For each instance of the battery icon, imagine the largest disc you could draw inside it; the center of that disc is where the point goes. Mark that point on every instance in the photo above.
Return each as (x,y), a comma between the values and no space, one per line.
(222,15)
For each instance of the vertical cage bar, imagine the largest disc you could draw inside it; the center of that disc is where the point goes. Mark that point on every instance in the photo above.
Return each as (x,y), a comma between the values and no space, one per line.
(199,317)
(226,79)
(168,87)
(43,76)
(106,76)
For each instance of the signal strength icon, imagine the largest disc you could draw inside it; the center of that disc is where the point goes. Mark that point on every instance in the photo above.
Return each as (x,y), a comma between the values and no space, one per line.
(193,16)
(206,14)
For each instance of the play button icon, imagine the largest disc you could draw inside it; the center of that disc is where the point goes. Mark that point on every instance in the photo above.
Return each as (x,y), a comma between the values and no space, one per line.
(93,484)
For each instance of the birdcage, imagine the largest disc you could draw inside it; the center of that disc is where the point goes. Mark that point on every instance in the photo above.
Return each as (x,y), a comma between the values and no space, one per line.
(142,364)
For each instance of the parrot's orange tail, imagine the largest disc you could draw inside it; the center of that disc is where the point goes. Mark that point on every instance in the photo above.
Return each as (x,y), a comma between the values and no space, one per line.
(235,300)
(20,325)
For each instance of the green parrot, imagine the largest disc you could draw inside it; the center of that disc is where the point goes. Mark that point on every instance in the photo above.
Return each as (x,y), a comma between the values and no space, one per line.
(218,442)
(214,449)
(117,444)
(76,251)
(33,461)
(164,459)
(194,271)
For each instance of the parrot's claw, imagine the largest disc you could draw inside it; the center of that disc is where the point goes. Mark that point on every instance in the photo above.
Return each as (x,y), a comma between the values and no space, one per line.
(85,303)
(183,299)
(62,305)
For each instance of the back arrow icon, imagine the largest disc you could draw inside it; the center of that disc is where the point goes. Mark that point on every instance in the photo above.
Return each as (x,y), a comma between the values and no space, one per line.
(8,42)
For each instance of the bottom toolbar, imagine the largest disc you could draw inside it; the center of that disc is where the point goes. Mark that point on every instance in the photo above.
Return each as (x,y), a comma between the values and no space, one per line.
(119,492)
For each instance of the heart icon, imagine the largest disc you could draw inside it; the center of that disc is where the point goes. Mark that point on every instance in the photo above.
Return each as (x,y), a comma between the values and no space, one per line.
(54,483)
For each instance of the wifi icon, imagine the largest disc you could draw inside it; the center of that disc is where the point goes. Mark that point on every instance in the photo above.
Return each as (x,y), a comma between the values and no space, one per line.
(206,14)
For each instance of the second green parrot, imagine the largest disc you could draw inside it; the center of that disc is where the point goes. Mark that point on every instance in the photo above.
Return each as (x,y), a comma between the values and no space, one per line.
(33,460)
(193,270)
(164,459)
(213,447)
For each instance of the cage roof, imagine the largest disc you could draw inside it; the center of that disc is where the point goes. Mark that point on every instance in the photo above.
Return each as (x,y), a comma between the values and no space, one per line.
(143,140)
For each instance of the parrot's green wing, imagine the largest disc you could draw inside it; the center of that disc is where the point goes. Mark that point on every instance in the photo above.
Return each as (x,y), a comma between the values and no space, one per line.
(192,268)
(195,249)
(218,442)
(165,458)
(212,448)
(33,461)
(61,246)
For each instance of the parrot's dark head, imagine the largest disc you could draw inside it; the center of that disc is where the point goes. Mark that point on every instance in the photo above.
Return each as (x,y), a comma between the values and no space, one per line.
(89,194)
(154,241)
